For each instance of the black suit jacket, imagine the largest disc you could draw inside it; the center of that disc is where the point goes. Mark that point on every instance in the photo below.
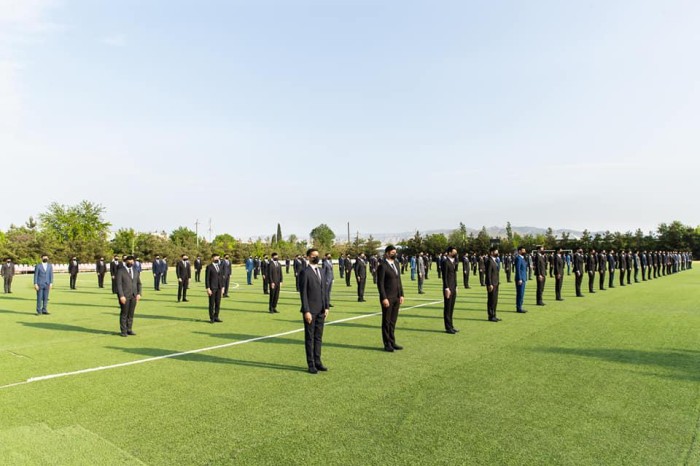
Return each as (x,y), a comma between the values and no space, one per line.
(273,272)
(73,267)
(540,264)
(183,270)
(449,279)
(360,269)
(113,267)
(127,286)
(558,265)
(389,281)
(492,276)
(197,264)
(100,267)
(313,291)
(213,279)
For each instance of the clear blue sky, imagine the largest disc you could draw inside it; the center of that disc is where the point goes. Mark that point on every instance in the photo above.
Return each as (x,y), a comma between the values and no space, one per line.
(392,115)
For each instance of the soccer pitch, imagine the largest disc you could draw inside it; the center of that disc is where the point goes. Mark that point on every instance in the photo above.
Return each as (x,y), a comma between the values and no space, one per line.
(612,378)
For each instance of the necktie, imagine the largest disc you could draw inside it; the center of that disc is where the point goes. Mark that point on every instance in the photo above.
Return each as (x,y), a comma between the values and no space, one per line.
(216,267)
(318,274)
(131,273)
(393,266)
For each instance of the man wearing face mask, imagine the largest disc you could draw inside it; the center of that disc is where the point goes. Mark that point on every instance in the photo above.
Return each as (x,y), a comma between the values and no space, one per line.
(101,270)
(314,307)
(360,269)
(113,267)
(214,283)
(327,268)
(129,292)
(73,270)
(43,282)
(520,279)
(226,270)
(8,272)
(183,270)
(390,297)
(420,272)
(273,272)
(449,287)
(558,271)
(492,279)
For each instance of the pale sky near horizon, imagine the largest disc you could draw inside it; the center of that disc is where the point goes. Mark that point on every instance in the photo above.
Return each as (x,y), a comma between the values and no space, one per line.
(390,115)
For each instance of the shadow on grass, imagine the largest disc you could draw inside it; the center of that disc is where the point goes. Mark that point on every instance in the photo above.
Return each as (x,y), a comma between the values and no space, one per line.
(680,364)
(65,328)
(378,327)
(200,357)
(286,341)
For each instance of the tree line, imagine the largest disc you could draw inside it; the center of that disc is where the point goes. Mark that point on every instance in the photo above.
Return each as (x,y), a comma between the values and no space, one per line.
(82,231)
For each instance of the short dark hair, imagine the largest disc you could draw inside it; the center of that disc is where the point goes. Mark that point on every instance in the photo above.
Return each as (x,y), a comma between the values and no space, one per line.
(389,248)
(310,250)
(214,255)
(449,249)
(493,248)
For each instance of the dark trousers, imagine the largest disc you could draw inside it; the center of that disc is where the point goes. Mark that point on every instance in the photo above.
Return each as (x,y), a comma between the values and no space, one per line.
(465,275)
(249,277)
(114,285)
(274,296)
(611,280)
(214,304)
(101,280)
(73,279)
(126,314)
(579,281)
(182,289)
(644,274)
(227,284)
(266,287)
(156,281)
(481,278)
(636,275)
(361,288)
(492,302)
(558,283)
(622,278)
(330,287)
(197,275)
(347,278)
(341,270)
(420,283)
(8,284)
(165,277)
(591,281)
(519,295)
(601,284)
(389,317)
(296,278)
(449,308)
(508,273)
(540,288)
(313,339)
(629,276)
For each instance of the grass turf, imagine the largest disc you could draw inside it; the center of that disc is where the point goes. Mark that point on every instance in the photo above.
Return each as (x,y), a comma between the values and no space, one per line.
(609,379)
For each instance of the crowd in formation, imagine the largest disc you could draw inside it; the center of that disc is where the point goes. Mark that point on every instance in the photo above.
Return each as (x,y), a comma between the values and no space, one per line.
(314,278)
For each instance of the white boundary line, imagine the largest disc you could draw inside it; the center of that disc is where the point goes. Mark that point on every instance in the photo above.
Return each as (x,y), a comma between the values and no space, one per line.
(194,351)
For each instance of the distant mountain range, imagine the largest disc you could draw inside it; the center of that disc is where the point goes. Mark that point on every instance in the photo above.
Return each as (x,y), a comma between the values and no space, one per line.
(494,232)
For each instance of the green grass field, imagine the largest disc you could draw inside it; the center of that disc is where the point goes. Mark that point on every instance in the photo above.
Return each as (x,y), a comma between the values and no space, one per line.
(611,379)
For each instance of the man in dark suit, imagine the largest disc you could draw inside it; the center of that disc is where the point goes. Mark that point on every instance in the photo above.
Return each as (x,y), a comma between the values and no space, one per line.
(166,265)
(263,268)
(183,270)
(73,267)
(493,279)
(449,288)
(341,265)
(622,264)
(101,270)
(591,267)
(8,272)
(273,277)
(602,267)
(360,269)
(508,265)
(540,273)
(558,272)
(327,269)
(287,263)
(226,270)
(482,270)
(158,267)
(314,308)
(579,265)
(466,269)
(390,296)
(198,269)
(214,283)
(630,266)
(298,267)
(113,267)
(420,271)
(129,293)
(348,269)
(612,266)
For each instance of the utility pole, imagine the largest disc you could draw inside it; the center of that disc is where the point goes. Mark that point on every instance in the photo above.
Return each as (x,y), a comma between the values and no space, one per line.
(196,231)
(210,230)
(348,232)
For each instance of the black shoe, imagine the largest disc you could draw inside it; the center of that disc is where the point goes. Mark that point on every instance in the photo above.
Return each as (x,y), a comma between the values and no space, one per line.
(130,333)
(46,313)
(185,300)
(540,304)
(122,334)
(494,319)
(560,299)
(313,370)
(521,311)
(389,349)
(451,331)
(321,367)
(580,296)
(211,321)
(218,320)
(276,311)
(421,292)
(226,296)
(397,347)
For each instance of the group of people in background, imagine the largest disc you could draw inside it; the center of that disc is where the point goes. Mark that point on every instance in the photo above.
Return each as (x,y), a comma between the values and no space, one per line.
(314,277)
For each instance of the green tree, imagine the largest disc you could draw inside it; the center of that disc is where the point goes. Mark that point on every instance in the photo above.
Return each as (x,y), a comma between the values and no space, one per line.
(279,234)
(322,237)
(80,229)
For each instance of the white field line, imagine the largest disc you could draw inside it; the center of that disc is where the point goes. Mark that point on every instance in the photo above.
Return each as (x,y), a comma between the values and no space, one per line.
(194,351)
